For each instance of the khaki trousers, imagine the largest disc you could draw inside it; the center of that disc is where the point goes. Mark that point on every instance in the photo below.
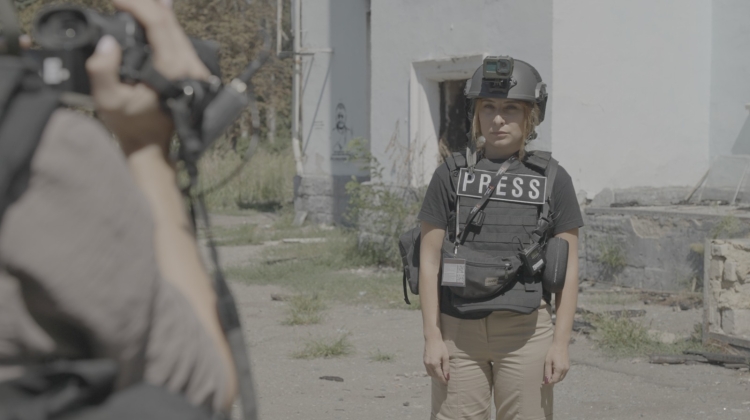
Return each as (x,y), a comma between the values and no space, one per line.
(501,354)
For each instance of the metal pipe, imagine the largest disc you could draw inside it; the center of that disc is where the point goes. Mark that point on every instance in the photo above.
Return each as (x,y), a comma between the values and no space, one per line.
(296,97)
(279,11)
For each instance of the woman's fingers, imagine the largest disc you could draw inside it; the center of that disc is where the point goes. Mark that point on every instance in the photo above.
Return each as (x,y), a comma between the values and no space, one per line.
(547,370)
(446,366)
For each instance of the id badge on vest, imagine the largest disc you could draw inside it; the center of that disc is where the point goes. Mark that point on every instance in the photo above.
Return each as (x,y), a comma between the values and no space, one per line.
(454,272)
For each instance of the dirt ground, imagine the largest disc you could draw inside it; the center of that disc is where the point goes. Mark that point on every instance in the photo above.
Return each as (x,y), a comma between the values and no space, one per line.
(597,387)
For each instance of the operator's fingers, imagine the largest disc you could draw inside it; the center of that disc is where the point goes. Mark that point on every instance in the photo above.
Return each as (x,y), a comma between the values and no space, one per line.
(174,56)
(104,73)
(158,21)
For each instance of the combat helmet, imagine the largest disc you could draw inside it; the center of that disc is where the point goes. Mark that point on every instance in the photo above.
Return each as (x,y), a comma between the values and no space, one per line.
(506,77)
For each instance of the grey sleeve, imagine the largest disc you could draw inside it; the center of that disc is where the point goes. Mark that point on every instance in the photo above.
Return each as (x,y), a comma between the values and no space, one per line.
(566,213)
(438,200)
(79,246)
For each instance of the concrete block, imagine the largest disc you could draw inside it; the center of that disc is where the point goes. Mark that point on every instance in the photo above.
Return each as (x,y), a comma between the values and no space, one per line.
(650,196)
(604,199)
(742,322)
(727,321)
(730,271)
(715,271)
(719,250)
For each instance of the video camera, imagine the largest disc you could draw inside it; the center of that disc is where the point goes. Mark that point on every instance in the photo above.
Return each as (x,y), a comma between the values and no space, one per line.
(68,36)
(498,71)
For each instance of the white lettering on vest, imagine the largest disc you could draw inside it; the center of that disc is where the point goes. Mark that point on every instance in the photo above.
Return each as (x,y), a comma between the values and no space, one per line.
(484,182)
(468,179)
(517,190)
(500,186)
(534,184)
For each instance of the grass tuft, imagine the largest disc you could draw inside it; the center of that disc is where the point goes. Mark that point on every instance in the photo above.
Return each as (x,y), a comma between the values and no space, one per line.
(325,348)
(621,337)
(245,234)
(379,356)
(304,310)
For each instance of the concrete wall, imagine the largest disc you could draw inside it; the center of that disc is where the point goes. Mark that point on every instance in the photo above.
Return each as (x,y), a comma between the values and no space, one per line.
(632,91)
(424,31)
(657,248)
(727,288)
(730,72)
(335,102)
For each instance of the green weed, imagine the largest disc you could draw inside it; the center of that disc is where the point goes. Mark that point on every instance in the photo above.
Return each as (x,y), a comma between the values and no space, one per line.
(325,348)
(728,226)
(334,269)
(304,310)
(245,234)
(611,257)
(379,356)
(621,337)
(266,182)
(615,298)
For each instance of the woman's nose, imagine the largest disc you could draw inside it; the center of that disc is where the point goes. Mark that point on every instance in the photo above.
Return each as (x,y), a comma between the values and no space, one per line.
(499,120)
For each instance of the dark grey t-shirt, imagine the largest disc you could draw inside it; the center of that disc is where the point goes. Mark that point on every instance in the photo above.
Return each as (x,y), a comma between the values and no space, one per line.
(440,198)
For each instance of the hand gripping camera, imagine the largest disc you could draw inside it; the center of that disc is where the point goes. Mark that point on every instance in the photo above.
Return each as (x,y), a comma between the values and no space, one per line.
(202,110)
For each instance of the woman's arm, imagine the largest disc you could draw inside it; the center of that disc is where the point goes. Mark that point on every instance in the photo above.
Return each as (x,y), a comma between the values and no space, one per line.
(557,363)
(435,352)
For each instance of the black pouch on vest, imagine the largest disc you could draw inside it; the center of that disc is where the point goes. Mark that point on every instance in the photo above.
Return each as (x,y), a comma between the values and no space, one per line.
(556,266)
(485,275)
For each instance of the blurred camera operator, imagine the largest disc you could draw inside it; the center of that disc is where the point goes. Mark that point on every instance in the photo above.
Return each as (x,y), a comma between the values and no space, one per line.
(97,257)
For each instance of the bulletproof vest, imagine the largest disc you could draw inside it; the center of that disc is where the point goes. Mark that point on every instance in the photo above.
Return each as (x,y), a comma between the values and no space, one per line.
(504,229)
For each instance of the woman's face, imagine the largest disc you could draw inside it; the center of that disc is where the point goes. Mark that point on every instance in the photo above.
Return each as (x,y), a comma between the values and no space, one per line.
(501,123)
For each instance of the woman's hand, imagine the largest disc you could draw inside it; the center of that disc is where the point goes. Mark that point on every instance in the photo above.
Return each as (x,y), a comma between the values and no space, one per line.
(436,359)
(133,113)
(556,364)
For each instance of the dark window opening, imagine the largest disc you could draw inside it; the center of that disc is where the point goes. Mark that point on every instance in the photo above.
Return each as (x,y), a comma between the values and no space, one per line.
(454,122)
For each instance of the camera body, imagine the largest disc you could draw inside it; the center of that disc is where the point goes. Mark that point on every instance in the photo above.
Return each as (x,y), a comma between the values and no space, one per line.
(497,71)
(68,36)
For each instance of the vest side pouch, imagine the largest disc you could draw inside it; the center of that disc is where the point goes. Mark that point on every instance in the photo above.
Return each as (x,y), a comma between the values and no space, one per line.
(556,267)
(486,275)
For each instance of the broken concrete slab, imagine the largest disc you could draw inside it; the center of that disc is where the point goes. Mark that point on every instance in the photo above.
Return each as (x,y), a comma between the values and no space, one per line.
(640,196)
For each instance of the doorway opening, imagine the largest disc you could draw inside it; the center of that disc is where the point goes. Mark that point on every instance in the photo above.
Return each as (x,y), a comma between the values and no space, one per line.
(454,121)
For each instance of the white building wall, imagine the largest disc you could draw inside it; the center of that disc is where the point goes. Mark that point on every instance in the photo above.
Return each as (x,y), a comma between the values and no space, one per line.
(428,31)
(730,72)
(334,75)
(631,82)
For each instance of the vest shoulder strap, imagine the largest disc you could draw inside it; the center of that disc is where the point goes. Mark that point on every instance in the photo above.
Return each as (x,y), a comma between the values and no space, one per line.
(538,160)
(23,116)
(455,162)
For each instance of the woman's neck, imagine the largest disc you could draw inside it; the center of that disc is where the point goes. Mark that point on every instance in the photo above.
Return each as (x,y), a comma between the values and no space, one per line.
(499,155)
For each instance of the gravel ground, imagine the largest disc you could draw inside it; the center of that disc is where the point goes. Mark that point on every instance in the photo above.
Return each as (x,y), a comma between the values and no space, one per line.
(597,387)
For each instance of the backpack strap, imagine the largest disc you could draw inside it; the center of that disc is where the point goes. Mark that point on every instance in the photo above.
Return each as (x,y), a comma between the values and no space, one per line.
(26,105)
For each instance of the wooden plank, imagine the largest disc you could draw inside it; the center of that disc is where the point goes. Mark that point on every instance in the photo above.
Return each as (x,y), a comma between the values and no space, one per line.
(676,359)
(735,341)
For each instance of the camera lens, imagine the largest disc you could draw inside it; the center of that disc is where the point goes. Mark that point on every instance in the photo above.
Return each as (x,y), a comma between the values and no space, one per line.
(503,67)
(64,28)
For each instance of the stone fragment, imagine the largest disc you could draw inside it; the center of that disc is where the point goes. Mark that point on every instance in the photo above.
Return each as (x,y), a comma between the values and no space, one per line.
(719,250)
(604,199)
(715,271)
(727,321)
(662,336)
(730,271)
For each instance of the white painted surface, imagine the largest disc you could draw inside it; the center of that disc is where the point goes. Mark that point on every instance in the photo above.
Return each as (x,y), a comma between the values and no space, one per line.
(642,92)
(631,88)
(335,71)
(415,31)
(730,72)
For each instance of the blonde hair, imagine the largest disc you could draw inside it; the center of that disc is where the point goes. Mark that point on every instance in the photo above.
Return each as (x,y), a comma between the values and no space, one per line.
(530,122)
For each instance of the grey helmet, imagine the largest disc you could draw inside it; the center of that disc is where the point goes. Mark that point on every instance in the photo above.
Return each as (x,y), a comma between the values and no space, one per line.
(505,77)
